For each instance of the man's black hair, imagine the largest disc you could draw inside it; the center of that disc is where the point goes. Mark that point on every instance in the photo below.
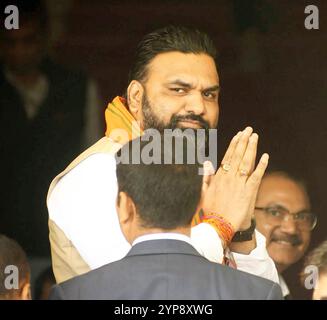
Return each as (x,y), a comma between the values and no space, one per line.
(169,39)
(165,195)
(289,175)
(35,10)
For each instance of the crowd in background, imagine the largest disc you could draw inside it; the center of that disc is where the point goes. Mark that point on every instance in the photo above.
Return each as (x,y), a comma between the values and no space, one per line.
(50,113)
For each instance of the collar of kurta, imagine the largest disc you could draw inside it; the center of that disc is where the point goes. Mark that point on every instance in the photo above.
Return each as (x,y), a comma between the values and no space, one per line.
(121,125)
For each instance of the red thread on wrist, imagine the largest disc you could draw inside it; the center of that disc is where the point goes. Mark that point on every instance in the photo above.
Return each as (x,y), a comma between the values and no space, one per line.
(223,227)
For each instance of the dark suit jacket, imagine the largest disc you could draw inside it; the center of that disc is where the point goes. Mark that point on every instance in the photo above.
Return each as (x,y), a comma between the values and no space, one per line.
(166,269)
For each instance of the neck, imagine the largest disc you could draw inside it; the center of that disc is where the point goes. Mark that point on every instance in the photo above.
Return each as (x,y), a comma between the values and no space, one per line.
(281,267)
(145,231)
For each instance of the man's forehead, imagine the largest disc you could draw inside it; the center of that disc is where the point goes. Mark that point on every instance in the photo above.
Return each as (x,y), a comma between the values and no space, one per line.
(177,65)
(283,191)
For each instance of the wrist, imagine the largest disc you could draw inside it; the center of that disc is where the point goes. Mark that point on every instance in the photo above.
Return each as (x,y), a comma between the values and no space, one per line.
(223,227)
(245,235)
(244,248)
(245,225)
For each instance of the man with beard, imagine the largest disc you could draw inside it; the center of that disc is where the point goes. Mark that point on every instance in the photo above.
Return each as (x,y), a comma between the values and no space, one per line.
(173,83)
(284,217)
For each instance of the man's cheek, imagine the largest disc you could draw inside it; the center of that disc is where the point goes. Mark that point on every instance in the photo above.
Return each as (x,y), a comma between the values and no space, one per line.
(265,229)
(305,240)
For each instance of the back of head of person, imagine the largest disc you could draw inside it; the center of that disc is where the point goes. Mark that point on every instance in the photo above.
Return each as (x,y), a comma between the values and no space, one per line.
(156,197)
(14,271)
(316,265)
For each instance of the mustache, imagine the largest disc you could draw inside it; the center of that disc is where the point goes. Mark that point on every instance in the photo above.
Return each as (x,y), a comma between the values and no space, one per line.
(193,117)
(293,239)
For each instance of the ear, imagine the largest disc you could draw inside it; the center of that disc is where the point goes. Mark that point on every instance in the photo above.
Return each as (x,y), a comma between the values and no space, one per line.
(125,208)
(135,93)
(126,211)
(26,292)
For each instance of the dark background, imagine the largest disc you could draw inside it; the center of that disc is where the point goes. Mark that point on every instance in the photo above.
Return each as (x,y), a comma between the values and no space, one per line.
(272,72)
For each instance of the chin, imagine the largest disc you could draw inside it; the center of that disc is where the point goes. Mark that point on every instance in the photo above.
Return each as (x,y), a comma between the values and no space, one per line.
(286,256)
(284,260)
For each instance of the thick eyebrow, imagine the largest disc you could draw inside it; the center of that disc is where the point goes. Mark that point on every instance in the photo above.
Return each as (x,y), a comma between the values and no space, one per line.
(186,85)
(180,83)
(275,206)
(279,206)
(213,88)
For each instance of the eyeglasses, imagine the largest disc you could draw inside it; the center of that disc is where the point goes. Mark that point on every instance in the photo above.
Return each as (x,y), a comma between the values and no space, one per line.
(276,215)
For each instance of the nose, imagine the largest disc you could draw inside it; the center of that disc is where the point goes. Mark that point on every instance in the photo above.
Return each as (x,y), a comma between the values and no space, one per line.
(288,225)
(195,104)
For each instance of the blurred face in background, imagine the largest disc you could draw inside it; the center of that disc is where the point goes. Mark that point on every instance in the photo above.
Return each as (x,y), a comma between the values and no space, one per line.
(320,291)
(22,50)
(283,217)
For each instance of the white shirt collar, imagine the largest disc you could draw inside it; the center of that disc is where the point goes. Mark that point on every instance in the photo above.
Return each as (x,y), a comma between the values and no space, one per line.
(283,286)
(33,96)
(157,236)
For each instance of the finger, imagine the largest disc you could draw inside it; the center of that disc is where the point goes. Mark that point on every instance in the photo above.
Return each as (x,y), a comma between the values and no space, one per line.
(253,201)
(208,172)
(245,168)
(208,168)
(255,178)
(231,148)
(254,155)
(240,149)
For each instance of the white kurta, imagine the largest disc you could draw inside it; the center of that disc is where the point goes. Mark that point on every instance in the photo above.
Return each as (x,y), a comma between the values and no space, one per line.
(82,205)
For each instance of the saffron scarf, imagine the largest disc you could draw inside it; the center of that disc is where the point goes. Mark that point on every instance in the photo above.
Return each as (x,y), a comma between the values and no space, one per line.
(120,124)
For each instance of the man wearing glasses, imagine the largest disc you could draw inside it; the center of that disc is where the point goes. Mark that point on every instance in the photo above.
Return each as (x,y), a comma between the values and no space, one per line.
(283,216)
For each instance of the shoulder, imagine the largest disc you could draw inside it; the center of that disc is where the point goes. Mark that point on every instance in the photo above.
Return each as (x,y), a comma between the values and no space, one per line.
(84,188)
(95,162)
(253,287)
(97,168)
(90,285)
